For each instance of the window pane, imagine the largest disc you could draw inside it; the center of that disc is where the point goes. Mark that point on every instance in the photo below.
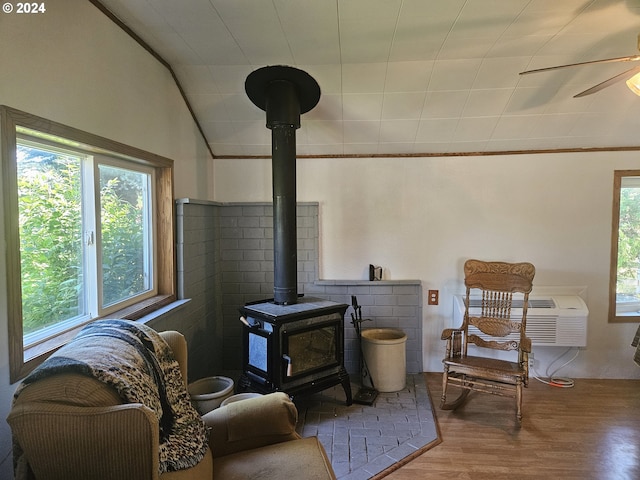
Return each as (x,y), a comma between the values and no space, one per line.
(50,219)
(628,269)
(126,253)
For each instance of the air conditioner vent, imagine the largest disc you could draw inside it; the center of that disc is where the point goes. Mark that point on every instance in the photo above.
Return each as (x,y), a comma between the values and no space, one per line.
(557,320)
(517,303)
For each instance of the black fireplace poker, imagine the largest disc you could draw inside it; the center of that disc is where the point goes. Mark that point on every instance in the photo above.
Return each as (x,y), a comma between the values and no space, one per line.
(366,395)
(284,93)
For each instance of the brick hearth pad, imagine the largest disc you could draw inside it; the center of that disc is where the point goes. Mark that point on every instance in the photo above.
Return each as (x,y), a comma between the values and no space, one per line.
(364,441)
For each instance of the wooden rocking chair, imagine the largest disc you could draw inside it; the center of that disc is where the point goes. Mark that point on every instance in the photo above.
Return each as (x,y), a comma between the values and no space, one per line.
(496,327)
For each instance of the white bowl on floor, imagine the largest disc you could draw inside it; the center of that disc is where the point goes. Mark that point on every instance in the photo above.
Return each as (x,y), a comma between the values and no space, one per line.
(208,393)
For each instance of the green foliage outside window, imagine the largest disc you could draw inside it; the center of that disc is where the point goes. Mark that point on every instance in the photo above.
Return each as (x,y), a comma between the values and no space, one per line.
(629,242)
(123,268)
(52,237)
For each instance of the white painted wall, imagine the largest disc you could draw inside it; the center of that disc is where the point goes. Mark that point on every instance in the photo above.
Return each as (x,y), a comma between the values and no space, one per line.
(75,66)
(420,218)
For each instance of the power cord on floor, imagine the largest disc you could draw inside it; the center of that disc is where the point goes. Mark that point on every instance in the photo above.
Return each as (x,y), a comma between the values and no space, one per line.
(553,381)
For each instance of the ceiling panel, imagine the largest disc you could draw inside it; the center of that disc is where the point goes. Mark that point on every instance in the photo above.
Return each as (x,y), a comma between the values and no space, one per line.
(403,76)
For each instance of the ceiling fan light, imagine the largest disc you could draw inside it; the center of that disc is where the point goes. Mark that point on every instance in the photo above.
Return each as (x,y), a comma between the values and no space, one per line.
(634,84)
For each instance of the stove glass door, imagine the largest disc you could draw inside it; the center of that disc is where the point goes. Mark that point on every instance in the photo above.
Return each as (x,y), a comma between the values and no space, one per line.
(311,349)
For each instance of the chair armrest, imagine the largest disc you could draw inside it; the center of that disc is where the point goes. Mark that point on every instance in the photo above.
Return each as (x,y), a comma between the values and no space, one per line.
(448,332)
(453,336)
(95,442)
(252,423)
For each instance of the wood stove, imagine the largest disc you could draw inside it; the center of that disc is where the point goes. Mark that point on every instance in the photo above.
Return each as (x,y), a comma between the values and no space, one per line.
(297,349)
(291,343)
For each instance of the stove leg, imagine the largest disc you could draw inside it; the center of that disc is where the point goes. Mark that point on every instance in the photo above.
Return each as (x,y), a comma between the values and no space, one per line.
(346,385)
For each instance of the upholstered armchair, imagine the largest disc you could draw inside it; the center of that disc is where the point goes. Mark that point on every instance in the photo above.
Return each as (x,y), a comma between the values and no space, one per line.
(70,426)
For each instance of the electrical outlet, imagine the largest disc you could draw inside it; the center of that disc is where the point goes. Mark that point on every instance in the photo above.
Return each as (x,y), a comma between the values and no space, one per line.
(433,297)
(532,361)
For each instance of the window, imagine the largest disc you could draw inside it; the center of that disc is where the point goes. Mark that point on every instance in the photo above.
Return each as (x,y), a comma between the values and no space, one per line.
(624,289)
(89,228)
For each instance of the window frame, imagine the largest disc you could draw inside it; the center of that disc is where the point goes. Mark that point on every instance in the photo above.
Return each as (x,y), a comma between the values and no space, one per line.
(101,160)
(21,360)
(613,316)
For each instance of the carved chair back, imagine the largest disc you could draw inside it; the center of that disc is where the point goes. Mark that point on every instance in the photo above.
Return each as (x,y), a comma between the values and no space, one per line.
(497,283)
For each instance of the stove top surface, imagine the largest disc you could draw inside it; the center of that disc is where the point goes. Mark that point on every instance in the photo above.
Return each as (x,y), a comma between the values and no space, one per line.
(304,305)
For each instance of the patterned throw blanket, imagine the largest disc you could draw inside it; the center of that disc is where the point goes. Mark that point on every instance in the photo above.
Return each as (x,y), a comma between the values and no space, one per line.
(138,363)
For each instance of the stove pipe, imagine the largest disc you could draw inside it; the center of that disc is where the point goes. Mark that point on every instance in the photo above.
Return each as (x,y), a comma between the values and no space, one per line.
(284,93)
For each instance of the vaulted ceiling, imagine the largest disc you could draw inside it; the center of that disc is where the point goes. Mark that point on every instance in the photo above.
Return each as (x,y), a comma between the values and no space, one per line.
(403,77)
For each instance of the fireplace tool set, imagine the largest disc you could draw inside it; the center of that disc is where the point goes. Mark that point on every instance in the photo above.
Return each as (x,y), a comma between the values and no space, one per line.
(364,396)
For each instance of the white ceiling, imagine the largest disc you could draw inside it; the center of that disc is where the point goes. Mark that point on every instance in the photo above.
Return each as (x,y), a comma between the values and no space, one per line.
(403,76)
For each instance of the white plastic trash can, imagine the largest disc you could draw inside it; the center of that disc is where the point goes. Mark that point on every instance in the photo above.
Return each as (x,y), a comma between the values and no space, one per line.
(208,393)
(384,351)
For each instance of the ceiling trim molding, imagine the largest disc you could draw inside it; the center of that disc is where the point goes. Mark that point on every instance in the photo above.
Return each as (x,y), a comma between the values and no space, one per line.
(446,154)
(157,56)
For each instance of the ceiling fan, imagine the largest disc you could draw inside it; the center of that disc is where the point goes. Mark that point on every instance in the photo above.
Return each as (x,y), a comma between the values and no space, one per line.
(629,75)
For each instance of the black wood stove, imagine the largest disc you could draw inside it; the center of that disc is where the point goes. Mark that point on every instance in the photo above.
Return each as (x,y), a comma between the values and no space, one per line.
(291,343)
(297,349)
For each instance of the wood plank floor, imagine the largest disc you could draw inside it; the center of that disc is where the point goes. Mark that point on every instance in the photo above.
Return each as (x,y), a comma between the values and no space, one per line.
(591,431)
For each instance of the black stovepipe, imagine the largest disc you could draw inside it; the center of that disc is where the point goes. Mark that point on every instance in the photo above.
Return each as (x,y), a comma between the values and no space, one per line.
(284,93)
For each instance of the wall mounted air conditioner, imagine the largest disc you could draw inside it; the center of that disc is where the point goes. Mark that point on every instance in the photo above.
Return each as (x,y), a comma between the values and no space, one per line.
(552,321)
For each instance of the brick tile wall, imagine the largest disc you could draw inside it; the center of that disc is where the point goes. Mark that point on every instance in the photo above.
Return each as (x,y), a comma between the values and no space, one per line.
(225,259)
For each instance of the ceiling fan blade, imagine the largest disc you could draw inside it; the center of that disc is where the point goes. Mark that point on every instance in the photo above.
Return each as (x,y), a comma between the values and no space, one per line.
(630,58)
(611,81)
